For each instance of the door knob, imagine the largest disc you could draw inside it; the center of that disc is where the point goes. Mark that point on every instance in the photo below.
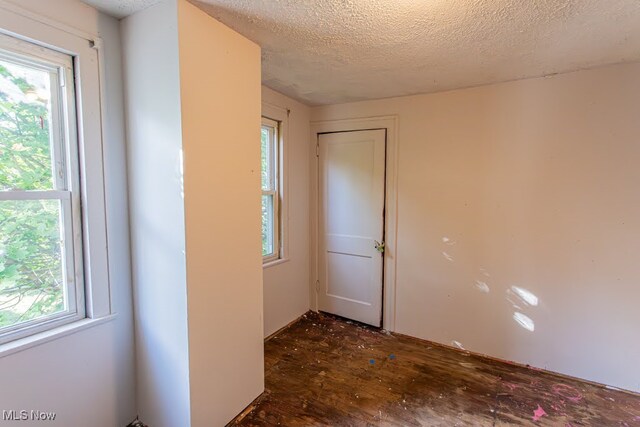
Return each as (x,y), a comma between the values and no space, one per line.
(379,246)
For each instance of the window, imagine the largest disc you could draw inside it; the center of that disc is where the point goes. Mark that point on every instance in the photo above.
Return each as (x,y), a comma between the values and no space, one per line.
(270,160)
(41,280)
(54,264)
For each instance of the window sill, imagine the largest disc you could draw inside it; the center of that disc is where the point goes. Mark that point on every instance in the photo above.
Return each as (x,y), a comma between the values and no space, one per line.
(275,262)
(50,335)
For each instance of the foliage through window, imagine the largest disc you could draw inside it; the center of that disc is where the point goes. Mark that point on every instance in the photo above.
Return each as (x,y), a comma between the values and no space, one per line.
(40,244)
(270,139)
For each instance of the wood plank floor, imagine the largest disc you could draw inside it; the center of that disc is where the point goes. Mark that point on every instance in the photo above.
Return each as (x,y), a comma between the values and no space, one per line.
(325,371)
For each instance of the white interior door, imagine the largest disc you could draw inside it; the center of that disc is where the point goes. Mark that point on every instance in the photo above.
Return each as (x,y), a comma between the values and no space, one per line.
(351,192)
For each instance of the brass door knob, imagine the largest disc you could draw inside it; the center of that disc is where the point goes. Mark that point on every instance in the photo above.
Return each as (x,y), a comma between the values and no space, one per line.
(379,246)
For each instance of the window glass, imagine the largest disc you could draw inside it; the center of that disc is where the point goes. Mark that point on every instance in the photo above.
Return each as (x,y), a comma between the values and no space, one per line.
(265,158)
(267,224)
(25,147)
(31,273)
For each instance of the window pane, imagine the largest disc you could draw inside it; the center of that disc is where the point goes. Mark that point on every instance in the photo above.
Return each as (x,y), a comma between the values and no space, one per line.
(31,272)
(265,137)
(25,130)
(267,224)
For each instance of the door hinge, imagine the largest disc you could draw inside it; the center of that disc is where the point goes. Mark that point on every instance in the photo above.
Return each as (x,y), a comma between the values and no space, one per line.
(317,285)
(317,149)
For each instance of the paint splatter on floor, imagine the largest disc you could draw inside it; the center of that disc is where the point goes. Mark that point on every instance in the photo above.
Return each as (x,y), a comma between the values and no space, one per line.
(318,373)
(538,413)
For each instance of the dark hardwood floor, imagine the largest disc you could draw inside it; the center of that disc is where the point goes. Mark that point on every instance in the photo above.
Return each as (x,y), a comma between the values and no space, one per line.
(325,371)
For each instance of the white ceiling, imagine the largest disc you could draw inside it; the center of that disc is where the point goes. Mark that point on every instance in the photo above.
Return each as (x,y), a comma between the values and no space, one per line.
(121,8)
(331,51)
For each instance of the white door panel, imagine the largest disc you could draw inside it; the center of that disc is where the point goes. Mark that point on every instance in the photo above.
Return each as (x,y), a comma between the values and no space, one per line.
(352,180)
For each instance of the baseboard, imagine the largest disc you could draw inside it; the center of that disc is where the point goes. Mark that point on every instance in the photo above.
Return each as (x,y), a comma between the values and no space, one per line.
(297,319)
(518,364)
(246,411)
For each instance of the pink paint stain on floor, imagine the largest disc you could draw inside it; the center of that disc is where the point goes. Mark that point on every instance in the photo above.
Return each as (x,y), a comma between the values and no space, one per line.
(538,413)
(567,392)
(511,386)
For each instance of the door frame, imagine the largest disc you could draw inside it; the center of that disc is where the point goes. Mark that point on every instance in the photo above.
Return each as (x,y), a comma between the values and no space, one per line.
(390,124)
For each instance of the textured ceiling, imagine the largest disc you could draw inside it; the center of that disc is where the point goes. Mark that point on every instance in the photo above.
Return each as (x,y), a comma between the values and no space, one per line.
(121,8)
(330,51)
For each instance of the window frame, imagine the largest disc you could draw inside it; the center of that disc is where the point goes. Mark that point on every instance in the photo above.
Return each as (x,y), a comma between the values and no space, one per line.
(65,178)
(274,192)
(88,67)
(280,113)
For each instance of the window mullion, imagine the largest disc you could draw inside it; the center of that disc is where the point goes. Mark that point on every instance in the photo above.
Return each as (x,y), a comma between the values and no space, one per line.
(36,195)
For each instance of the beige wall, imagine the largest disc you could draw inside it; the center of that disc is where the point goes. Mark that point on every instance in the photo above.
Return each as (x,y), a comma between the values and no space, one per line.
(220,98)
(286,285)
(519,213)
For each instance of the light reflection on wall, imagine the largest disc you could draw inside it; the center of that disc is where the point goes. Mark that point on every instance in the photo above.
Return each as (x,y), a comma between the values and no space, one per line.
(482,286)
(447,256)
(524,321)
(519,297)
(457,344)
(527,296)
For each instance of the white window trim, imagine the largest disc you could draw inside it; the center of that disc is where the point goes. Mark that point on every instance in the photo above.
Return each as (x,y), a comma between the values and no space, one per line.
(24,25)
(281,115)
(275,192)
(65,179)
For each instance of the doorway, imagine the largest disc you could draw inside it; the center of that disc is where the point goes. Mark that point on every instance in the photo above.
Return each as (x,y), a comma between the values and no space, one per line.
(351,168)
(328,126)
